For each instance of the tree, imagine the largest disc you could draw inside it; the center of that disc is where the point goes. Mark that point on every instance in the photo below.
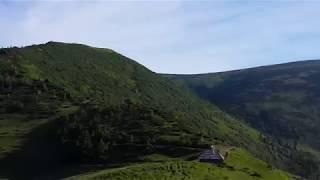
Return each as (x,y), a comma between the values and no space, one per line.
(102,147)
(87,142)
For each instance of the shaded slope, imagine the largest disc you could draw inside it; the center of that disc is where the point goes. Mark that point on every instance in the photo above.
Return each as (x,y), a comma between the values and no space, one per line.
(27,108)
(280,100)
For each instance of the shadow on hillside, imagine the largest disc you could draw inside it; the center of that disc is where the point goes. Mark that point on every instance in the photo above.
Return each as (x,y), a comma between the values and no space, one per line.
(34,158)
(39,157)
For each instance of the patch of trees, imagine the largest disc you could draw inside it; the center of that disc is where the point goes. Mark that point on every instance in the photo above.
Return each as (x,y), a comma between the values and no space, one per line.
(285,154)
(19,95)
(306,164)
(94,133)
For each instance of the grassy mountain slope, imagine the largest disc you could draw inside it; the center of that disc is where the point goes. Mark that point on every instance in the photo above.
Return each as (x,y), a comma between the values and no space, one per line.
(107,78)
(280,100)
(74,99)
(239,165)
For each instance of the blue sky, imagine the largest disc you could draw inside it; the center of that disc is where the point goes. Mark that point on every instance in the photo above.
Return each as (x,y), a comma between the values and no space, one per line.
(173,36)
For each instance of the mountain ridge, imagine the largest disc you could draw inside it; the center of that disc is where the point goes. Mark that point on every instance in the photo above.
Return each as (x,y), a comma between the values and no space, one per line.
(310,61)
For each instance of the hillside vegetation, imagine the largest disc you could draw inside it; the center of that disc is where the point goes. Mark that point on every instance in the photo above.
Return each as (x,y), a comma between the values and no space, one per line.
(70,103)
(104,77)
(280,100)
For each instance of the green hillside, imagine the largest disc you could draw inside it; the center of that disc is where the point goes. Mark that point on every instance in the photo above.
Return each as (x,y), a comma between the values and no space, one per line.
(239,165)
(280,100)
(72,104)
(106,78)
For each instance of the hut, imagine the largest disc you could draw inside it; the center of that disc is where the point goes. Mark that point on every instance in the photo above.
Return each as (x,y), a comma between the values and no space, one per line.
(211,156)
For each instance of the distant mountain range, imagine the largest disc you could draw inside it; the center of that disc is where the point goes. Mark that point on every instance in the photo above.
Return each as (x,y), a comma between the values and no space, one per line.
(65,104)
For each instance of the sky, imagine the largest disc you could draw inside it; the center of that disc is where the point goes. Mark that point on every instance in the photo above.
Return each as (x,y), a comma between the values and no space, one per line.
(182,37)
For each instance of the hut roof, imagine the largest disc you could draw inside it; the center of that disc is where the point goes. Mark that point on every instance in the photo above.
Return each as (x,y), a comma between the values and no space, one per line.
(211,155)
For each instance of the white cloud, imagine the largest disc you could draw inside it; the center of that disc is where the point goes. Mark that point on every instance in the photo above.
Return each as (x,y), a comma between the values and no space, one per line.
(172,36)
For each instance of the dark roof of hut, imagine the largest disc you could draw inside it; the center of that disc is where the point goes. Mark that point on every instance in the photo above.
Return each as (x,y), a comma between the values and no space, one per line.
(211,155)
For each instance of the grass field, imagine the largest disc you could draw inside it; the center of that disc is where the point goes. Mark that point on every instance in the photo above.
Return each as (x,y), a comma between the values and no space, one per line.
(239,165)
